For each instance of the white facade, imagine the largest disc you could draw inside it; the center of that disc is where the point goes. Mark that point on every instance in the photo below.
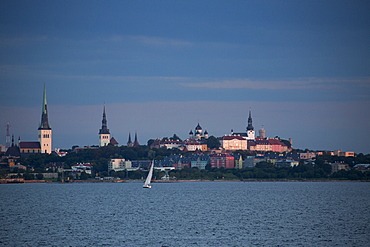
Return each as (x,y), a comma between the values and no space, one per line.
(45,139)
(104,140)
(171,144)
(119,165)
(195,146)
(250,135)
(82,168)
(234,143)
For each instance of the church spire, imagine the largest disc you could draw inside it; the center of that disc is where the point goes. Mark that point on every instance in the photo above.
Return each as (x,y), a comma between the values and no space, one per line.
(250,126)
(45,132)
(136,142)
(44,115)
(104,135)
(104,128)
(129,142)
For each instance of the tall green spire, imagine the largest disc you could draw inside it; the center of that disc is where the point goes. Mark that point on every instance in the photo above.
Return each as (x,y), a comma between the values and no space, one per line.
(44,115)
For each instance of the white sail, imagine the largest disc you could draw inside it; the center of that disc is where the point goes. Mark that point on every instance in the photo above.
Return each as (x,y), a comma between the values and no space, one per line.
(149,177)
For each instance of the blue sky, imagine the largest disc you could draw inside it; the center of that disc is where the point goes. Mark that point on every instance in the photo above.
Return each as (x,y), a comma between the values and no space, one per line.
(160,66)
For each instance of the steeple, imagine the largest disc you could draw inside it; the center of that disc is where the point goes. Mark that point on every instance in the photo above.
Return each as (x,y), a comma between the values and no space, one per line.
(44,115)
(136,142)
(129,142)
(250,129)
(104,129)
(250,126)
(45,132)
(104,135)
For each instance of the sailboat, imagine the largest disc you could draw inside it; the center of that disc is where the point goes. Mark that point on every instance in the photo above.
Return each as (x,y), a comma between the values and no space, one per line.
(149,177)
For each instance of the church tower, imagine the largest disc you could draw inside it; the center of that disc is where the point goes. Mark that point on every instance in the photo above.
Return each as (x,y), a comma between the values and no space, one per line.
(250,129)
(45,132)
(198,132)
(129,142)
(104,135)
(136,142)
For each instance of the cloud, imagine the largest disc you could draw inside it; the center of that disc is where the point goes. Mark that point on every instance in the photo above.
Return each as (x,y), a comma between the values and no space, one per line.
(305,83)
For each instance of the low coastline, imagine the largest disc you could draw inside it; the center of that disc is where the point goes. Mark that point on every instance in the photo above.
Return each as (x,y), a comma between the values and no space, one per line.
(21,180)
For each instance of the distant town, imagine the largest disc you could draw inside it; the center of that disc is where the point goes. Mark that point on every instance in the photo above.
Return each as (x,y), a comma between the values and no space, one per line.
(237,156)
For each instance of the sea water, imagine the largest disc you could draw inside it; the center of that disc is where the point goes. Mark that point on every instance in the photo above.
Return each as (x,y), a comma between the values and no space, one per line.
(186,214)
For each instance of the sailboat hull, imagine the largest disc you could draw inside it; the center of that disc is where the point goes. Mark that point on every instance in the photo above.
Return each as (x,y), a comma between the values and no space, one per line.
(147,186)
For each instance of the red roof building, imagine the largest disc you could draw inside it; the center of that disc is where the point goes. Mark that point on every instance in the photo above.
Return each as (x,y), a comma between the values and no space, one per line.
(221,160)
(113,141)
(29,147)
(267,145)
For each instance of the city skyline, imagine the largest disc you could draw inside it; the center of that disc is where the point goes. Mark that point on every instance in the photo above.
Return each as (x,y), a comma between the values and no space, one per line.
(160,67)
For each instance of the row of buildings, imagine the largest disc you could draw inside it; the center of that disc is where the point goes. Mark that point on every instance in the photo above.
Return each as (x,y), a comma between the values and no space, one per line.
(227,161)
(248,141)
(197,140)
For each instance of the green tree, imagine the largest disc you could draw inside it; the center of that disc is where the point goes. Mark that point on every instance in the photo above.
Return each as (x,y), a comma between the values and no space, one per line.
(130,154)
(213,142)
(150,142)
(84,176)
(28,176)
(39,176)
(101,165)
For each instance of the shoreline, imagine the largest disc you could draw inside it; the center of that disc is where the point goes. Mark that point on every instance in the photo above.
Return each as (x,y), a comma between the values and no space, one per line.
(19,181)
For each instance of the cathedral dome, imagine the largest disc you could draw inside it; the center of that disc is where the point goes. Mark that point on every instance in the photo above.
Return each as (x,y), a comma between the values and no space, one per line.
(198,127)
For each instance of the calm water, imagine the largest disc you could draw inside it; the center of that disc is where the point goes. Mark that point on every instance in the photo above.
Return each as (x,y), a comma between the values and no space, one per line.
(186,214)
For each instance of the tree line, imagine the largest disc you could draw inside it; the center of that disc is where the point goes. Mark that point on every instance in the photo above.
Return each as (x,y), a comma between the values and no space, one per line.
(100,158)
(262,171)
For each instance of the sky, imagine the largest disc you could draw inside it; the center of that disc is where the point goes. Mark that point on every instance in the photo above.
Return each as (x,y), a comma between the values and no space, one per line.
(160,67)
